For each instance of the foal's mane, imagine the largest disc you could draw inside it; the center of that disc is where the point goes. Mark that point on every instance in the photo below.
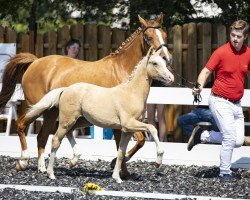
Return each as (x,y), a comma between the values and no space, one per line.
(127,42)
(145,59)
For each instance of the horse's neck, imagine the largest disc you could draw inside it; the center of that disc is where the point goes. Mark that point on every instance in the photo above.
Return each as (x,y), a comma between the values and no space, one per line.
(130,55)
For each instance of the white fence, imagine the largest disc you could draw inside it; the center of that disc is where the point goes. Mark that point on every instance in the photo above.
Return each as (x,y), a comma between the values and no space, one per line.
(158,95)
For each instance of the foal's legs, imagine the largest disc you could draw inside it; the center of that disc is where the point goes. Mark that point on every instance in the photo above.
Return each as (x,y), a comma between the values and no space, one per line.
(81,122)
(76,153)
(133,125)
(125,137)
(140,140)
(56,141)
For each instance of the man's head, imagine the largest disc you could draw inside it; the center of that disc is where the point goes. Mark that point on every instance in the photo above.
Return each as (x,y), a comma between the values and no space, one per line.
(238,33)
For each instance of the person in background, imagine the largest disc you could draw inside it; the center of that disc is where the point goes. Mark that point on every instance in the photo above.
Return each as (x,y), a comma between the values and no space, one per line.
(152,109)
(72,48)
(230,63)
(200,113)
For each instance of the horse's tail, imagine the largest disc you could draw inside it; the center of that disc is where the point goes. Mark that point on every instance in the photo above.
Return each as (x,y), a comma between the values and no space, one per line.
(13,74)
(50,100)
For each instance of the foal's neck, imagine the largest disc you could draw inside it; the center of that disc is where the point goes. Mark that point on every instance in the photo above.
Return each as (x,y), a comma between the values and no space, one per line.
(139,82)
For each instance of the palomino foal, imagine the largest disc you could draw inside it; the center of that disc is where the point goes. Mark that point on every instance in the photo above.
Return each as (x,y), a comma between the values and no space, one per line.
(124,107)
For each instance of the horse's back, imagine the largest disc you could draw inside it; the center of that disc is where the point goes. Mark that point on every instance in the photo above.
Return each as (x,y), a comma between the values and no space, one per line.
(44,73)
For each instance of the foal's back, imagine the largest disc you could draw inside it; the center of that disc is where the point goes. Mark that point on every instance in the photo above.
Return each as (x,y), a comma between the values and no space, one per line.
(105,107)
(93,102)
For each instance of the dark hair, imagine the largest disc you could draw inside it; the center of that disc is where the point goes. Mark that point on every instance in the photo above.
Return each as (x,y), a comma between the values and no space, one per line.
(69,43)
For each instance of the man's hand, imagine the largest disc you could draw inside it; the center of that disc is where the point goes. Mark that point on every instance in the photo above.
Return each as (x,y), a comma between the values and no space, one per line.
(196,89)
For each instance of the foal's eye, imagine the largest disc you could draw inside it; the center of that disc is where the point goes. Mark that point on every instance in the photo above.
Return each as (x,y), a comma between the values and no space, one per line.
(154,63)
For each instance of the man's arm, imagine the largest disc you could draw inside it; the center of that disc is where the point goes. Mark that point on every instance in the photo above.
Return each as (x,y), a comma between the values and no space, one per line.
(202,78)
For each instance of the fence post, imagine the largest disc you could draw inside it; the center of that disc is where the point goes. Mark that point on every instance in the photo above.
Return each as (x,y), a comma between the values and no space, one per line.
(90,42)
(62,37)
(77,32)
(39,45)
(2,34)
(118,36)
(192,52)
(173,111)
(104,41)
(206,42)
(25,42)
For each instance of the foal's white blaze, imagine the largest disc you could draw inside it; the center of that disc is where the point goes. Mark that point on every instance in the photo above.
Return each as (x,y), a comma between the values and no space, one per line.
(165,49)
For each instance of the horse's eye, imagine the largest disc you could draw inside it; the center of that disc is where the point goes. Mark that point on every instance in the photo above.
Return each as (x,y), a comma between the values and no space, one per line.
(154,63)
(149,38)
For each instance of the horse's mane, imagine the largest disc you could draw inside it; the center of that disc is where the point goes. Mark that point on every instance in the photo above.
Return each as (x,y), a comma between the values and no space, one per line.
(127,42)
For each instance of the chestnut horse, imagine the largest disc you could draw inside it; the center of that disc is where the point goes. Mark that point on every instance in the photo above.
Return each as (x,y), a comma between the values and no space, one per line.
(124,109)
(39,76)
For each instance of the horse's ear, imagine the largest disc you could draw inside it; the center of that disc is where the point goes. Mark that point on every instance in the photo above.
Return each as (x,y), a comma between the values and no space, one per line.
(160,18)
(142,21)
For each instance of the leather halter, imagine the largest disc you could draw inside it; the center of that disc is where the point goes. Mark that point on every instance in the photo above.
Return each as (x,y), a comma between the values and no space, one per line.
(197,98)
(144,30)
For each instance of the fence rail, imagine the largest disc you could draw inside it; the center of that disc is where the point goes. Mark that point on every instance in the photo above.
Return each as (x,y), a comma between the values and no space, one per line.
(190,44)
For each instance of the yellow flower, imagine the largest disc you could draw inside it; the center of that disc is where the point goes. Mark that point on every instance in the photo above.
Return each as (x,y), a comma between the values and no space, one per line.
(91,187)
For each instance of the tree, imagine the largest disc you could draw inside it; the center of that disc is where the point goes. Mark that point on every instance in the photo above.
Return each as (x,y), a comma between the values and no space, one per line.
(44,15)
(231,10)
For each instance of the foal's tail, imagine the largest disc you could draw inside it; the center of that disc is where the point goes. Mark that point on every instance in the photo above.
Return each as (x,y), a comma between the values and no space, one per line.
(50,100)
(13,74)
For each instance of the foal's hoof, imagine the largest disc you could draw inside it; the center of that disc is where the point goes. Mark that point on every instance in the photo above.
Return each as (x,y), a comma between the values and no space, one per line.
(112,164)
(52,176)
(157,165)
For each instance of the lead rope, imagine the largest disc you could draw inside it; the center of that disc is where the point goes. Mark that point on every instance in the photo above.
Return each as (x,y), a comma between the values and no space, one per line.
(197,97)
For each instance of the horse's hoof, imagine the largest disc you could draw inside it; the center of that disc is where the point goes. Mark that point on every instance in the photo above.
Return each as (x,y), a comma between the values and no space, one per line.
(125,175)
(18,167)
(112,164)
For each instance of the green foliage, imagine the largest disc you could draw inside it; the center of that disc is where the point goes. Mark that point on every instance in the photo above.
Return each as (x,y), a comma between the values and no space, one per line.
(232,10)
(46,15)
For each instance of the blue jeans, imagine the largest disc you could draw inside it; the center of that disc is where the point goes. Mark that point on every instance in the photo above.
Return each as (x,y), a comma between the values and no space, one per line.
(199,114)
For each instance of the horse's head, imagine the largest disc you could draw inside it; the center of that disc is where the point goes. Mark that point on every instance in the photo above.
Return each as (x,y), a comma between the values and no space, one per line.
(156,68)
(155,36)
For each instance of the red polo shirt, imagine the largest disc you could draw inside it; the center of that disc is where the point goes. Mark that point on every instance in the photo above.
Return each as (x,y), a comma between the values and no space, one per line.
(230,68)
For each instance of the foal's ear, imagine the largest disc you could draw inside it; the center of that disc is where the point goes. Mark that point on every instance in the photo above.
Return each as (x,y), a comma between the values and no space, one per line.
(150,52)
(157,53)
(160,18)
(142,21)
